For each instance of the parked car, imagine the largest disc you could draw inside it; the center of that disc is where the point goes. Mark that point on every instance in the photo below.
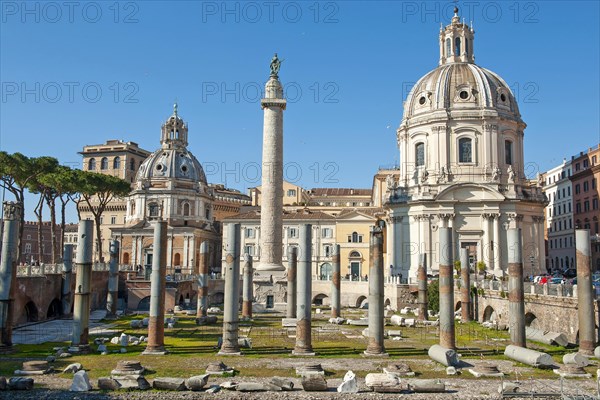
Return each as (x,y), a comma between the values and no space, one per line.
(570,273)
(557,281)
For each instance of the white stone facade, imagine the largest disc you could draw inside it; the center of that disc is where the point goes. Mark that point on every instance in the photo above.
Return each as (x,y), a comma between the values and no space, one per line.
(559,217)
(462,166)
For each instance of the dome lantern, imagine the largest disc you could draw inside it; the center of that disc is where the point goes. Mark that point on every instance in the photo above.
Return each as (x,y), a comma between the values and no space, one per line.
(174,132)
(456,42)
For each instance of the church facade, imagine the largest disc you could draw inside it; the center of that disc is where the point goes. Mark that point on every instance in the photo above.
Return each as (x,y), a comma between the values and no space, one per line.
(462,166)
(170,185)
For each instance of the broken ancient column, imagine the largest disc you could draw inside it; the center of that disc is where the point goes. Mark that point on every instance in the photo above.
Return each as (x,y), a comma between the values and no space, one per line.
(247,294)
(231,269)
(66,296)
(83,265)
(202,306)
(465,287)
(8,273)
(375,347)
(447,339)
(516,295)
(291,283)
(156,323)
(585,294)
(335,283)
(304,292)
(113,280)
(422,287)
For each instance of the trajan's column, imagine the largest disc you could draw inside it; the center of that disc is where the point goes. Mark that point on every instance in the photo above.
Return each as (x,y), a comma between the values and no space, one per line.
(272,174)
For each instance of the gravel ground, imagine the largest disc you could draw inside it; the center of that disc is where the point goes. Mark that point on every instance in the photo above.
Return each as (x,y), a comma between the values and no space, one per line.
(457,388)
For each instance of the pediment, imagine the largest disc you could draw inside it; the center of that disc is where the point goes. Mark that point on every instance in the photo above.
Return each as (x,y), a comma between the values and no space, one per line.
(470,192)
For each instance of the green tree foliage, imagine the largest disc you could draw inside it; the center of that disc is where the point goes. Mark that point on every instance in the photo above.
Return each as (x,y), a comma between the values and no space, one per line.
(433,295)
(96,191)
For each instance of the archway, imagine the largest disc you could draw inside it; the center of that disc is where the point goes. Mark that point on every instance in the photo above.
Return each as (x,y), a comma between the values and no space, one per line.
(144,304)
(320,300)
(31,312)
(54,309)
(362,302)
(218,298)
(458,306)
(387,303)
(126,258)
(489,314)
(529,319)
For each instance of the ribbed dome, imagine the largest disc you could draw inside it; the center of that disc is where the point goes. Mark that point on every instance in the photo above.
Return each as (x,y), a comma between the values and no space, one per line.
(460,86)
(177,163)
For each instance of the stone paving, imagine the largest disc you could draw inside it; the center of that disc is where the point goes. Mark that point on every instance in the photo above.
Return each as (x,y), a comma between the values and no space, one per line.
(59,330)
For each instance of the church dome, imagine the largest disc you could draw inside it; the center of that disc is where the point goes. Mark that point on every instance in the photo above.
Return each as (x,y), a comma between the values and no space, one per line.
(173,160)
(171,164)
(458,86)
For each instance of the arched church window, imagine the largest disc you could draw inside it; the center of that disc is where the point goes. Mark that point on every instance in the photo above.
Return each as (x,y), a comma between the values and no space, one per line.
(117,163)
(448,47)
(104,163)
(354,254)
(132,164)
(466,46)
(186,209)
(92,164)
(508,152)
(420,154)
(457,46)
(465,151)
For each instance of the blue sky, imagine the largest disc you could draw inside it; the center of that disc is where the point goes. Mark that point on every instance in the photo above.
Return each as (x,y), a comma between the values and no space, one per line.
(84,73)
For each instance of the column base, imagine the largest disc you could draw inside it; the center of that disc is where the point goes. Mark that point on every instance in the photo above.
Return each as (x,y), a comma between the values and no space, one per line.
(303,353)
(366,353)
(4,349)
(157,351)
(229,353)
(269,267)
(80,349)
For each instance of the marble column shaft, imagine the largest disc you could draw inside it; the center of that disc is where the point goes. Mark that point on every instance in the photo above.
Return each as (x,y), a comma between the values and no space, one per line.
(231,268)
(83,265)
(156,323)
(304,293)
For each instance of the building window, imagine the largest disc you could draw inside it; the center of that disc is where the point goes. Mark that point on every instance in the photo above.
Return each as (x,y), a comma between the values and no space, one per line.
(327,233)
(466,46)
(593,160)
(293,233)
(27,248)
(207,213)
(113,220)
(577,189)
(568,190)
(117,163)
(508,152)
(132,164)
(104,163)
(586,205)
(186,209)
(153,210)
(92,164)
(327,250)
(585,163)
(595,204)
(577,167)
(291,193)
(249,233)
(586,186)
(448,47)
(420,154)
(464,150)
(249,249)
(457,47)
(355,238)
(577,207)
